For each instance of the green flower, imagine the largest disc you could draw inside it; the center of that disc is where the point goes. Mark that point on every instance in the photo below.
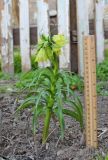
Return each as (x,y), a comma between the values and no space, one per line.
(59,40)
(49,52)
(47,46)
(41,55)
(57,50)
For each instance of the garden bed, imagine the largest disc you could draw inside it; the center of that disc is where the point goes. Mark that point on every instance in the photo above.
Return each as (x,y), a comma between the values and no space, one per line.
(18,143)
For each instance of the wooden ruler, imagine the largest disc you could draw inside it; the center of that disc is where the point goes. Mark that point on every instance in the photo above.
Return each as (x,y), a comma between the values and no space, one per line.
(90,91)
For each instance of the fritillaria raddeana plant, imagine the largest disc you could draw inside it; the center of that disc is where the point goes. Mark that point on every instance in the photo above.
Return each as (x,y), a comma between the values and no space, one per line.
(52,91)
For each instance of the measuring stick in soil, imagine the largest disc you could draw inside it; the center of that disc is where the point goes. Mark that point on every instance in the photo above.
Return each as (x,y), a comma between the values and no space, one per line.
(90,91)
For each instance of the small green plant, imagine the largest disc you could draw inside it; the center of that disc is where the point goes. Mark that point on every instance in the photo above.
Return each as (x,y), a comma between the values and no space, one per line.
(102,71)
(4,76)
(106,54)
(51,88)
(77,82)
(17,60)
(102,88)
(24,80)
(99,157)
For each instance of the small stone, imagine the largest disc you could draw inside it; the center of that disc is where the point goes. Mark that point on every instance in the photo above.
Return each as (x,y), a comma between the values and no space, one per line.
(59,152)
(47,146)
(66,137)
(30,158)
(9,89)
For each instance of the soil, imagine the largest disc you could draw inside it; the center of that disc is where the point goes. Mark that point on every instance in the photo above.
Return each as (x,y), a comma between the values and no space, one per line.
(18,143)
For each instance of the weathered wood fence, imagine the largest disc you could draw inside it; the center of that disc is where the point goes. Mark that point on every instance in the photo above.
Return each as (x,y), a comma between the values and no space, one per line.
(63,19)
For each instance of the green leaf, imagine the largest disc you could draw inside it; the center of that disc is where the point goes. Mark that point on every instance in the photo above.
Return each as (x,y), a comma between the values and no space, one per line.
(36,112)
(72,114)
(67,80)
(77,109)
(60,111)
(26,104)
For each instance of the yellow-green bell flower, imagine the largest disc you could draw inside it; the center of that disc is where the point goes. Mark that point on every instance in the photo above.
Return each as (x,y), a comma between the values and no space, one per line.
(41,56)
(59,40)
(40,42)
(49,52)
(57,50)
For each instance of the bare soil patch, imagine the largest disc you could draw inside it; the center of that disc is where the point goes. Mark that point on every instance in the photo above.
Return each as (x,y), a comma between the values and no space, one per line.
(17,141)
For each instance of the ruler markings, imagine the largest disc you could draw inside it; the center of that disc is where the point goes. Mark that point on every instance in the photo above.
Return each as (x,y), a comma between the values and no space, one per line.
(90,91)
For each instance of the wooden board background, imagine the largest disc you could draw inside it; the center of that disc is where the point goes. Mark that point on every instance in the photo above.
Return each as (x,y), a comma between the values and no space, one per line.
(73,36)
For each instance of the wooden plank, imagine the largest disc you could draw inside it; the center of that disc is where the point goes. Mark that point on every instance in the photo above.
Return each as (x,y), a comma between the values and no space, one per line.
(6,36)
(15,12)
(90,91)
(42,17)
(73,37)
(83,29)
(63,28)
(91,9)
(99,28)
(24,35)
(42,22)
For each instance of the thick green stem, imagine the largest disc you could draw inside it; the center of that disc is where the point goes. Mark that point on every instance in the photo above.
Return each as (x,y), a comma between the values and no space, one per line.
(55,65)
(46,125)
(55,68)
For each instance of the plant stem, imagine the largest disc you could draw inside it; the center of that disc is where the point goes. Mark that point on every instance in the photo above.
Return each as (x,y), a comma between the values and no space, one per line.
(46,125)
(55,68)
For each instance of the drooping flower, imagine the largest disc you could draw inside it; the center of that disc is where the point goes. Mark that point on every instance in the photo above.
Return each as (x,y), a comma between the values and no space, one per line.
(47,46)
(49,52)
(59,40)
(41,55)
(57,50)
